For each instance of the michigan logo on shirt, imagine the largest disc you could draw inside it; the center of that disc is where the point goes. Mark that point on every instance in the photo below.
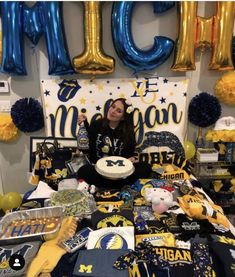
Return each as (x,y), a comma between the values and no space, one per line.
(114,221)
(85,268)
(6,254)
(108,194)
(112,241)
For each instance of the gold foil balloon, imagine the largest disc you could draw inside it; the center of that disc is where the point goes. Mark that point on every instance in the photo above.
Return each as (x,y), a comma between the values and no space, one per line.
(184,52)
(225,88)
(222,36)
(215,32)
(204,33)
(1,196)
(93,60)
(189,149)
(11,200)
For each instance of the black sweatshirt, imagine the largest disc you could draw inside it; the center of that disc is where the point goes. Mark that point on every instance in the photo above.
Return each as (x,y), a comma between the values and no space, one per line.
(107,142)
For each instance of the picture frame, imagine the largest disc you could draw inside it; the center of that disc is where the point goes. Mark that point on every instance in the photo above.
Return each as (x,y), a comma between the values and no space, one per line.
(70,143)
(76,163)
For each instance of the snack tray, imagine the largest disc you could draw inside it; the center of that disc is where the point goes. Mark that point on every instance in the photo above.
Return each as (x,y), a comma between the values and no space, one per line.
(40,213)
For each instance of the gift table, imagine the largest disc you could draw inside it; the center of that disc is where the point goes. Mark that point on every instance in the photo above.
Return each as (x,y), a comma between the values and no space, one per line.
(125,230)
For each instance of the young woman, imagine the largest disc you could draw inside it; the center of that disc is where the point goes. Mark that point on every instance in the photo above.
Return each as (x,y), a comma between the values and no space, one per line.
(112,135)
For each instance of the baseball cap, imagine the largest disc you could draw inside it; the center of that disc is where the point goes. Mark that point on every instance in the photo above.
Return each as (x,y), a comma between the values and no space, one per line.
(225,123)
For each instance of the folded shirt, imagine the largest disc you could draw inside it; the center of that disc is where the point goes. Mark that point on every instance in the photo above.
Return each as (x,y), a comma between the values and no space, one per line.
(98,263)
(42,191)
(27,251)
(112,238)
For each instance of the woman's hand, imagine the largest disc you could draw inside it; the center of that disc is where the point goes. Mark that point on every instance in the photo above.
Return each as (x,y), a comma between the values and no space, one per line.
(133,159)
(81,118)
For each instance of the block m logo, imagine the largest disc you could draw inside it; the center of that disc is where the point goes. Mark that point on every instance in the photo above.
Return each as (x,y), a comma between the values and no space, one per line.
(85,268)
(112,163)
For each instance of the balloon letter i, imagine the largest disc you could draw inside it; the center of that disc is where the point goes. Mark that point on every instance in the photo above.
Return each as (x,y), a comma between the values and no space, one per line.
(93,60)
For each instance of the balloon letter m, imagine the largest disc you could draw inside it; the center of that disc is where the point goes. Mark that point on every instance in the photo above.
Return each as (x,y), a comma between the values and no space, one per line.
(43,18)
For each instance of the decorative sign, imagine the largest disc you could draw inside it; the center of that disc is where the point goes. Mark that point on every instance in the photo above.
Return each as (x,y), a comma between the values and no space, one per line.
(167,165)
(160,105)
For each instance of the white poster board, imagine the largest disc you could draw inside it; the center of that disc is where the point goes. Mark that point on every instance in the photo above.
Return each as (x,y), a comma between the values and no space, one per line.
(160,104)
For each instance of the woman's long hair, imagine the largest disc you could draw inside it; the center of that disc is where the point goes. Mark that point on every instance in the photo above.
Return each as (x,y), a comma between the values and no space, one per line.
(126,125)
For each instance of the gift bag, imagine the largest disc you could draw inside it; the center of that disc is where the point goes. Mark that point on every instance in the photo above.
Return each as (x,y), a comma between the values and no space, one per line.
(50,162)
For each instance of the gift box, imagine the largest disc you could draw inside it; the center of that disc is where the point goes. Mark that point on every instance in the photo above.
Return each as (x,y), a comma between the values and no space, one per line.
(207,154)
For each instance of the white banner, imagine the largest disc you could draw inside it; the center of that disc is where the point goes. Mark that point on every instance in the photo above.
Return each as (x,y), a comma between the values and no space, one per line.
(160,105)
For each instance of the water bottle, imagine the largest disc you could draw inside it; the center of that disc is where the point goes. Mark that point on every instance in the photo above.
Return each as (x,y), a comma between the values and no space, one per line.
(82,138)
(200,143)
(229,152)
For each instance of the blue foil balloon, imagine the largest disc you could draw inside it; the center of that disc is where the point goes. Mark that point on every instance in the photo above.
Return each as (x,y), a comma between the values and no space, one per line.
(33,27)
(12,38)
(160,7)
(43,18)
(59,60)
(128,52)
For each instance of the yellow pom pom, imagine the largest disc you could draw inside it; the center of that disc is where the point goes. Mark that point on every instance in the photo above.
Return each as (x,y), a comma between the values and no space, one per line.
(225,88)
(221,135)
(8,130)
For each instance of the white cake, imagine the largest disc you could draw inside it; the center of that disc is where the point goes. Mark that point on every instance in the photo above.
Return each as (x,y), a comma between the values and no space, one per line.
(114,167)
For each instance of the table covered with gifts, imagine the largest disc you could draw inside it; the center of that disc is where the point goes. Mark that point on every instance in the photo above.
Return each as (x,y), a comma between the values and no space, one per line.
(152,228)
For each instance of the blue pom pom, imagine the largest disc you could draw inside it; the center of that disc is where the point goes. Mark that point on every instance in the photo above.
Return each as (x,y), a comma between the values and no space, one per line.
(27,115)
(204,110)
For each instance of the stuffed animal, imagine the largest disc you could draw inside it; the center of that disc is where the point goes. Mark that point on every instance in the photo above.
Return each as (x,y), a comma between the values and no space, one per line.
(161,199)
(82,185)
(73,183)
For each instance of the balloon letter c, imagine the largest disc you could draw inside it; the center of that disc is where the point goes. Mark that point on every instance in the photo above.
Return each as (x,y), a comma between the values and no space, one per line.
(125,47)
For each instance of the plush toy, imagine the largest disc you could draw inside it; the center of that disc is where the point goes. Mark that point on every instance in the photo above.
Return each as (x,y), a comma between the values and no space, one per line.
(82,185)
(73,183)
(161,199)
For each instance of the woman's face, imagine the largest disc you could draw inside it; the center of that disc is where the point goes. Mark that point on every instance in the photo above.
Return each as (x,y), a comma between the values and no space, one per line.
(116,112)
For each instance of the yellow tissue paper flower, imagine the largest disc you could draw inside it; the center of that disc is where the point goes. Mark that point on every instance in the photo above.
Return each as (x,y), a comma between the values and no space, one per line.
(225,88)
(8,130)
(221,135)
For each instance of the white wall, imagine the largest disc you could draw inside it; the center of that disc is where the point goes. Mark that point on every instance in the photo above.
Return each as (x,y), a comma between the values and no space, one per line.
(14,156)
